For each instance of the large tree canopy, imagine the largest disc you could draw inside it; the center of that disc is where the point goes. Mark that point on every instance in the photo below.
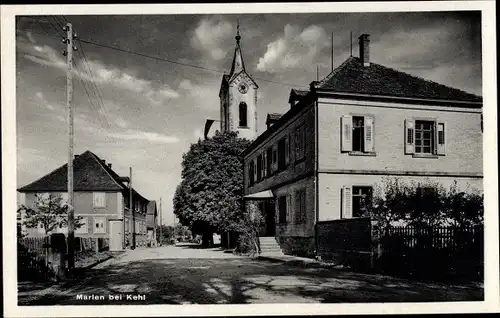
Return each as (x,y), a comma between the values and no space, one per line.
(208,199)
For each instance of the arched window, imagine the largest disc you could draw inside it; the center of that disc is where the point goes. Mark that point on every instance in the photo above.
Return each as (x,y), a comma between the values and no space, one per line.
(243,114)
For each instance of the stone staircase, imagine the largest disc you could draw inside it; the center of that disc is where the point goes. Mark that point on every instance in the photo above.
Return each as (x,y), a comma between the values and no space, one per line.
(269,246)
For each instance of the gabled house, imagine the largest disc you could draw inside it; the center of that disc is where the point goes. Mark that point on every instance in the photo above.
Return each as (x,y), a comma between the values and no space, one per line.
(340,138)
(101,198)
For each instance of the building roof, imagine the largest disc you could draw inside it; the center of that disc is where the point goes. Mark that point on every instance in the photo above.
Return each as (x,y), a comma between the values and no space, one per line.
(297,94)
(90,174)
(353,77)
(274,116)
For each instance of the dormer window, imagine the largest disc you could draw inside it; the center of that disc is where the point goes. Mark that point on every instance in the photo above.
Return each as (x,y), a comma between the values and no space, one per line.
(243,114)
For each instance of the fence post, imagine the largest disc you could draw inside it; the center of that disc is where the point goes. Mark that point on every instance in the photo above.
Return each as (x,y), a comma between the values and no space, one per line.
(57,255)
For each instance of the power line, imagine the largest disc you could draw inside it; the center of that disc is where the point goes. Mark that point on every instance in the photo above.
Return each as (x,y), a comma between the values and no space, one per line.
(178,63)
(92,80)
(175,62)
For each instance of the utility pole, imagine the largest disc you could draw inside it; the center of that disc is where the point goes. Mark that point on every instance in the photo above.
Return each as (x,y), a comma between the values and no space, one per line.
(131,202)
(161,236)
(69,98)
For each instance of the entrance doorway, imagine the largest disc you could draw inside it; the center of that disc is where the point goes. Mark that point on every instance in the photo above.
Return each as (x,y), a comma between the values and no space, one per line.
(269,212)
(115,235)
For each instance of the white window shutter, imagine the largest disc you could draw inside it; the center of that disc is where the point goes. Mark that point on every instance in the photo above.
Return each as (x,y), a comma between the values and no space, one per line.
(369,134)
(346,128)
(346,202)
(441,138)
(409,136)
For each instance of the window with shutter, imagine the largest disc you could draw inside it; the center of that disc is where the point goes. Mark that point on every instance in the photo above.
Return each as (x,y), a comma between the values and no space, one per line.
(297,206)
(282,209)
(346,202)
(409,136)
(99,199)
(99,225)
(441,138)
(300,143)
(281,154)
(369,134)
(346,135)
(269,159)
(425,137)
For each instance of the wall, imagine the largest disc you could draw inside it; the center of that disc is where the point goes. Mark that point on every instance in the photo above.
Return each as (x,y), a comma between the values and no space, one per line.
(294,170)
(297,237)
(83,202)
(330,185)
(463,138)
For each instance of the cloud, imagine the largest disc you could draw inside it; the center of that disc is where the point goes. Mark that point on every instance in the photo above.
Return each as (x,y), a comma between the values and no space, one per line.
(144,136)
(154,93)
(209,36)
(294,49)
(44,101)
(120,122)
(186,84)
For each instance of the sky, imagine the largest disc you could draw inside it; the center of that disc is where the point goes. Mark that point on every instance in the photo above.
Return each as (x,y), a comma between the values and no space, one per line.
(147,112)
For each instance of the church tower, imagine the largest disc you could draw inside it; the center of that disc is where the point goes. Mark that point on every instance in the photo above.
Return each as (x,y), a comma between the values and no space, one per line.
(238,97)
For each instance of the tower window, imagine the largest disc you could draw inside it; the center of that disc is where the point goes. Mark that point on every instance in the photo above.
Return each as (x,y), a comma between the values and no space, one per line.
(243,114)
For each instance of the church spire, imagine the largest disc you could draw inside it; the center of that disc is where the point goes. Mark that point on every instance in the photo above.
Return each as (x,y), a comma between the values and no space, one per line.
(238,64)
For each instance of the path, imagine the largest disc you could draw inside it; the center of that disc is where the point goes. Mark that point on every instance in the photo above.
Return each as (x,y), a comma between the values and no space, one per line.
(188,275)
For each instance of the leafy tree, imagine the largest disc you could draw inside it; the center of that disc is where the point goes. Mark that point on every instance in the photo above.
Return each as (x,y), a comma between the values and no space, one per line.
(167,234)
(209,197)
(50,211)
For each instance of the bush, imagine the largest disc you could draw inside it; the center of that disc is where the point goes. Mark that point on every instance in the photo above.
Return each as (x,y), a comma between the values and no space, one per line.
(248,239)
(424,204)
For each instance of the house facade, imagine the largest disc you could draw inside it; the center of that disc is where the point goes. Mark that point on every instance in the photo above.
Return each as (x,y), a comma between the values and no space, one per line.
(101,199)
(339,140)
(151,222)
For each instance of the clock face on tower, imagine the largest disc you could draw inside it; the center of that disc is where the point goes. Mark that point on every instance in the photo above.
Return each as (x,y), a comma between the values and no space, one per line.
(243,88)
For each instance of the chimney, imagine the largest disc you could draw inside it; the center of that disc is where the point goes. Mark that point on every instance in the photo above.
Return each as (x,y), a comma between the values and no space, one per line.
(103,161)
(109,165)
(364,49)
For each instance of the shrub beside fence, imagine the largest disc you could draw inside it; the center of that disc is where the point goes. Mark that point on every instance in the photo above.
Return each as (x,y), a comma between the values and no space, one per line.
(32,254)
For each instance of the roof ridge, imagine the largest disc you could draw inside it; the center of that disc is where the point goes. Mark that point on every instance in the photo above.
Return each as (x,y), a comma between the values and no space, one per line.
(335,71)
(424,79)
(48,174)
(99,160)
